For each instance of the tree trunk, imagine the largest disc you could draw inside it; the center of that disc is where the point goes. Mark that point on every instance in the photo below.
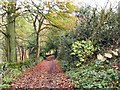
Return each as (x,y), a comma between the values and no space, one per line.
(119,14)
(18,53)
(38,46)
(23,53)
(8,47)
(11,44)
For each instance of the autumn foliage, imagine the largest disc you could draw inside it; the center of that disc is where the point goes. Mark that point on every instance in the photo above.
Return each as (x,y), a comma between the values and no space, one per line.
(46,74)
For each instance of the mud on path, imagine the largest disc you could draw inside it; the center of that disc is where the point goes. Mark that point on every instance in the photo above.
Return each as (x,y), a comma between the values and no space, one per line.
(46,74)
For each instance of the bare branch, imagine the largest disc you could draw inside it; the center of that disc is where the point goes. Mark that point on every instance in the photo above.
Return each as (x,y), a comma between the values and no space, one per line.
(3,33)
(34,23)
(44,28)
(46,24)
(40,24)
(25,40)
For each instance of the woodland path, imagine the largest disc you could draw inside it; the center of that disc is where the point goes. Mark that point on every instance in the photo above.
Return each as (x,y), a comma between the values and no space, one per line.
(46,74)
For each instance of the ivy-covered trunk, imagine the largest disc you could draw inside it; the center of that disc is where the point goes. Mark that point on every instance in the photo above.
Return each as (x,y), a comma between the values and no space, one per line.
(10,31)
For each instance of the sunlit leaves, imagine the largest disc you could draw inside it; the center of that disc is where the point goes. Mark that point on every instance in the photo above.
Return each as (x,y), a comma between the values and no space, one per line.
(23,30)
(61,15)
(71,8)
(82,49)
(62,20)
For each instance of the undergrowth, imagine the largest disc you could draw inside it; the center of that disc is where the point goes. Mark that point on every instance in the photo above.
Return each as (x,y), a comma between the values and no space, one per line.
(95,75)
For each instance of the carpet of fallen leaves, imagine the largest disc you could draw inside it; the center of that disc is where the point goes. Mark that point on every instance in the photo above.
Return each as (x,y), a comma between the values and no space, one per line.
(46,74)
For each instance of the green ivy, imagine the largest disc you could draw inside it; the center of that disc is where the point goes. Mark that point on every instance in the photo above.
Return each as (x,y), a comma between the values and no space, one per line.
(95,76)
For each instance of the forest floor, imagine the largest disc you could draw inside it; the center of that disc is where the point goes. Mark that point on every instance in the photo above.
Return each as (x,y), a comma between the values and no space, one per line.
(46,74)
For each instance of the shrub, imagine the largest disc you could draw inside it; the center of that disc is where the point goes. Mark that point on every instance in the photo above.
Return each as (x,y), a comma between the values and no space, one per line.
(10,71)
(65,49)
(10,75)
(82,49)
(100,27)
(17,65)
(4,86)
